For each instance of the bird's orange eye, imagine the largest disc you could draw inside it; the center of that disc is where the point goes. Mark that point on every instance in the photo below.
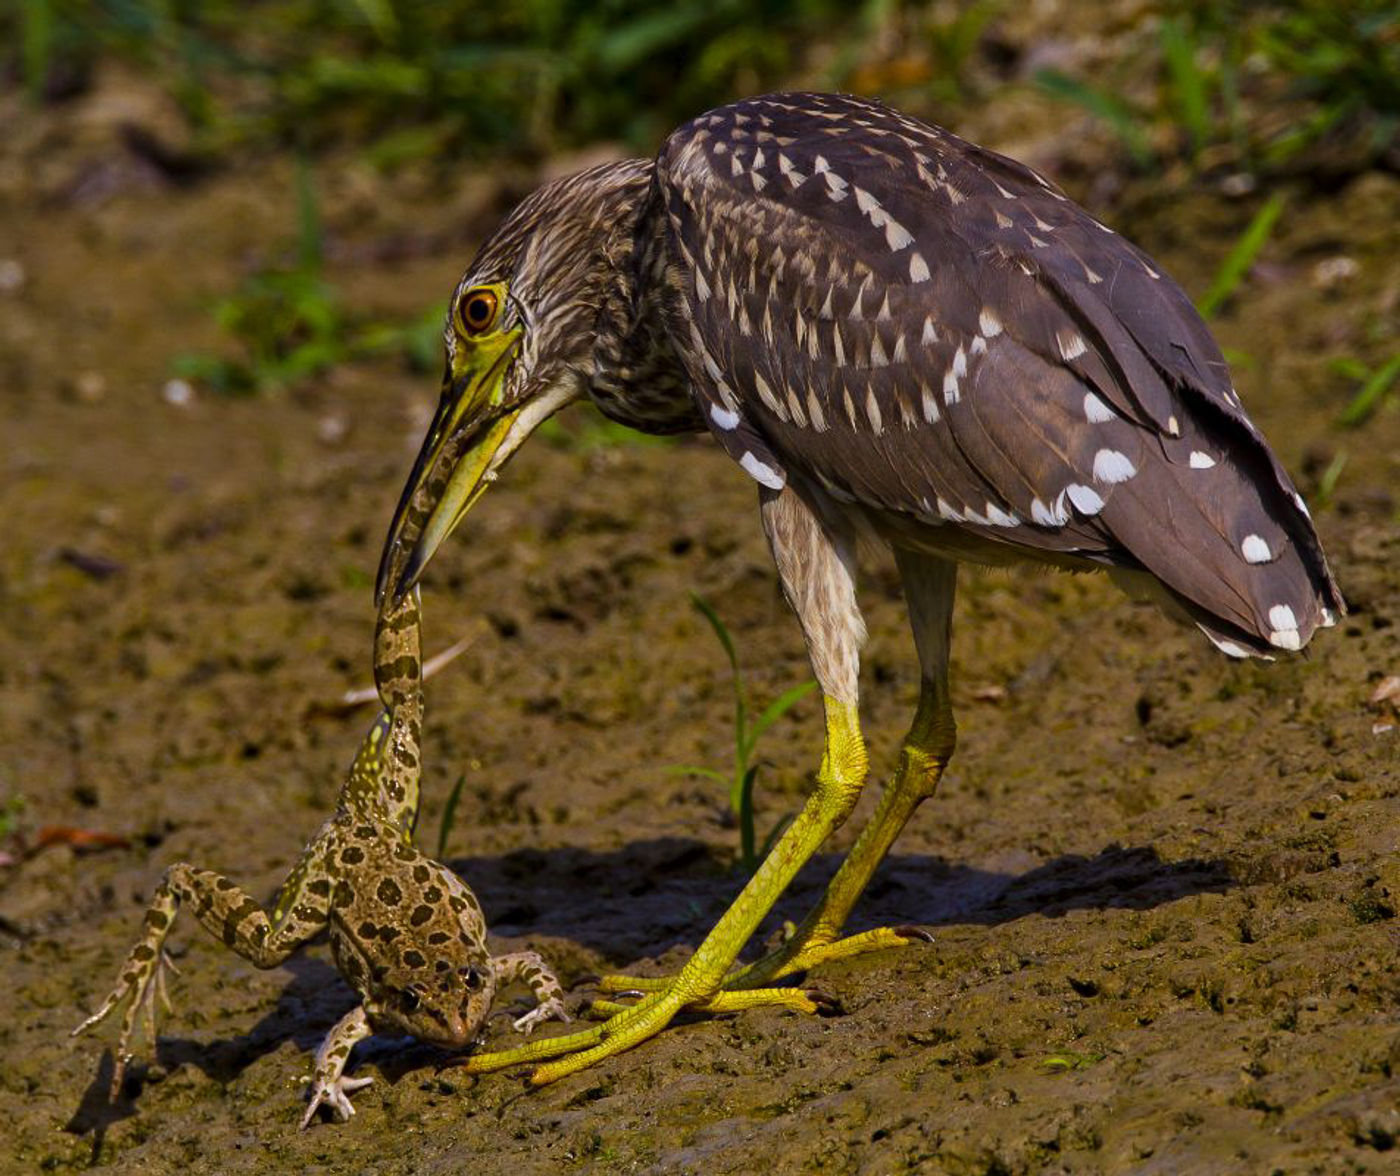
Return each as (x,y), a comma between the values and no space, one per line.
(477,311)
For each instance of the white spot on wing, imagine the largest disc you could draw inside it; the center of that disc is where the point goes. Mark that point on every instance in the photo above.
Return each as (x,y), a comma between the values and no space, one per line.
(989,322)
(872,410)
(931,413)
(1301,505)
(1228,648)
(1086,499)
(897,237)
(762,474)
(722,417)
(814,411)
(1071,343)
(1112,467)
(1255,550)
(1054,515)
(877,352)
(918,267)
(1200,460)
(1096,412)
(930,336)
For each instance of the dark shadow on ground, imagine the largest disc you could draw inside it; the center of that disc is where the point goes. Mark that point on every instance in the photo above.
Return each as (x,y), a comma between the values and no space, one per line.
(643,899)
(649,895)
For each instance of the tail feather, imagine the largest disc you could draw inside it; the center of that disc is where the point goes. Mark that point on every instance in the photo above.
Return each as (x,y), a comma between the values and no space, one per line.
(1223,529)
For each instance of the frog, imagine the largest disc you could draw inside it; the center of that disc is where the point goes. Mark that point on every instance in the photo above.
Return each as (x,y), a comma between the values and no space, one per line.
(405,931)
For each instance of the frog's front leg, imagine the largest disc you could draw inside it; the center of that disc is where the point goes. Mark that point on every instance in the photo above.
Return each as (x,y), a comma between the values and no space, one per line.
(528,967)
(329,1086)
(226,912)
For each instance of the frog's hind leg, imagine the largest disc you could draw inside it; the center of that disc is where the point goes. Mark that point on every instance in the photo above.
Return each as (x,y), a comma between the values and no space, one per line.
(226,912)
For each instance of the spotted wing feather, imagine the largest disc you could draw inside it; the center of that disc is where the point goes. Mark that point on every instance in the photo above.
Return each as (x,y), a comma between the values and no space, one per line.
(934,333)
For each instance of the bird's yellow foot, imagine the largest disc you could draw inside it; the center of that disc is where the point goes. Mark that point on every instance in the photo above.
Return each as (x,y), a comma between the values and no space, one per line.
(629,1025)
(801,954)
(798,954)
(800,1000)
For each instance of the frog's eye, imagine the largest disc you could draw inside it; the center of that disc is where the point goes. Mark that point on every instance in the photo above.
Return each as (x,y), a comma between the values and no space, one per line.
(471,978)
(477,311)
(410,998)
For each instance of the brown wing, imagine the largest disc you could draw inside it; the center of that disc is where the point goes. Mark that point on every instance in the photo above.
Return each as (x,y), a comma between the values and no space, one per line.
(932,330)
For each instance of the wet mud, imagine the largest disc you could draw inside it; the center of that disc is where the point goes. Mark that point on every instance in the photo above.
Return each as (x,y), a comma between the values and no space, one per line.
(1162,885)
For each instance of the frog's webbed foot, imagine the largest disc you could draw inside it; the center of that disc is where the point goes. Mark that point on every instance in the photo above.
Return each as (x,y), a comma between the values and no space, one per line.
(333,1092)
(548,1010)
(142,986)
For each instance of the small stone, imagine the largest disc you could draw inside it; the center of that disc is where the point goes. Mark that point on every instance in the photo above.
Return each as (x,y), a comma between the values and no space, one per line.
(332,428)
(90,387)
(1238,184)
(12,275)
(178,392)
(1334,272)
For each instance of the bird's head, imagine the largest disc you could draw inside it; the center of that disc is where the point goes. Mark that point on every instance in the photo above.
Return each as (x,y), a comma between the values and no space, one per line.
(520,337)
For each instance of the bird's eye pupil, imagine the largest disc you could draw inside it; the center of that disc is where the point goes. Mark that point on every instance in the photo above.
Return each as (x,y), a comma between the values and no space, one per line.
(478,310)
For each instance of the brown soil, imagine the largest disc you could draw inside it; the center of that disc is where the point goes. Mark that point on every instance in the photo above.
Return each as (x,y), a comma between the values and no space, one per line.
(1163,885)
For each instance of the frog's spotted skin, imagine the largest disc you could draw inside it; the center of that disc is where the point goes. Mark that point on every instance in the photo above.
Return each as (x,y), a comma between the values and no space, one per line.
(405,931)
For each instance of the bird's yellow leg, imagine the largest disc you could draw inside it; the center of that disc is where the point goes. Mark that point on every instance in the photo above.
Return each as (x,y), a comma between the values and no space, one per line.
(839,781)
(929,584)
(926,751)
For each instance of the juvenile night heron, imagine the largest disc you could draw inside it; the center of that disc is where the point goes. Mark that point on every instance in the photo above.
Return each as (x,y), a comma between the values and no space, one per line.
(898,335)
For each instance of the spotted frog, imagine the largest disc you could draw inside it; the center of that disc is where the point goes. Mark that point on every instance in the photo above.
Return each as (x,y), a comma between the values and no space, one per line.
(405,931)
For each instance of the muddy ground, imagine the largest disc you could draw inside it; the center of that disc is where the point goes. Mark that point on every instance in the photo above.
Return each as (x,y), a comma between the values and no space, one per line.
(1163,885)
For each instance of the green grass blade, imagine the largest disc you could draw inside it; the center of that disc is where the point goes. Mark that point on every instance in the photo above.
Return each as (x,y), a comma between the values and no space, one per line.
(1371,393)
(310,234)
(1105,107)
(37,48)
(776,709)
(744,808)
(708,612)
(1327,484)
(692,770)
(1241,256)
(449,817)
(1188,83)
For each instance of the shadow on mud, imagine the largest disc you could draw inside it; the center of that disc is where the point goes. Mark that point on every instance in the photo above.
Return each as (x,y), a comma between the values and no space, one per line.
(641,900)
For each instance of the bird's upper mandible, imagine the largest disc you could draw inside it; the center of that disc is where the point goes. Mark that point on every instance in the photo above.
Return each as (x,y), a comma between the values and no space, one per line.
(934,333)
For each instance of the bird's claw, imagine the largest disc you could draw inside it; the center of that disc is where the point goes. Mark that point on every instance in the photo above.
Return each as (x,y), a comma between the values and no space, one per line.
(335,1094)
(910,931)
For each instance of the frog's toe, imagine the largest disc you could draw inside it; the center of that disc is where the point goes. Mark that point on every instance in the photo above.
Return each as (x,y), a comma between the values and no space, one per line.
(550,1010)
(336,1095)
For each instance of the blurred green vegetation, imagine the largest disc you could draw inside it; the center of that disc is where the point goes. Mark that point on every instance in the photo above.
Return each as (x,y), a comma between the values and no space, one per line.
(413,80)
(1256,91)
(1251,83)
(1253,86)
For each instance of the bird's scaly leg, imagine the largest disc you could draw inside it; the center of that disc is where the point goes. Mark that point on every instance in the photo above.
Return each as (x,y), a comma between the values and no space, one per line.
(839,782)
(929,586)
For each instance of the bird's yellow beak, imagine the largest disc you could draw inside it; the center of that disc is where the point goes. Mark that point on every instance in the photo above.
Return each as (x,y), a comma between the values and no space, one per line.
(454,464)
